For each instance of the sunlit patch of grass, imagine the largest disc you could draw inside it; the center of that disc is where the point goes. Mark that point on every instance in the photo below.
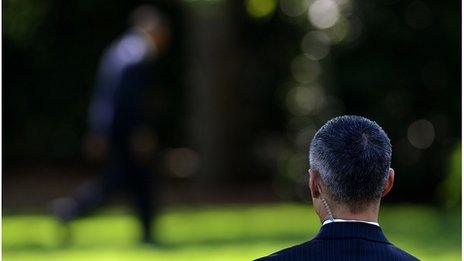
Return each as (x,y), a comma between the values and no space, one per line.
(216,233)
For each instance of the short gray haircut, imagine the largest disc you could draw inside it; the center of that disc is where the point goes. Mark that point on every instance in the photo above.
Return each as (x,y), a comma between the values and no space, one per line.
(352,154)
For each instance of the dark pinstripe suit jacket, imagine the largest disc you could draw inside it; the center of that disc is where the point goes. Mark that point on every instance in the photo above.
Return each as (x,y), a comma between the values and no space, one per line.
(350,241)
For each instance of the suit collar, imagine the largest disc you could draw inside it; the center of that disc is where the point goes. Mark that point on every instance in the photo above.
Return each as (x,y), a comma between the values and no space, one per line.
(351,230)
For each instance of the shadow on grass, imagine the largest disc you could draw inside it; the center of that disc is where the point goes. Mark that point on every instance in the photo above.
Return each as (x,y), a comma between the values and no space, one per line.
(162,245)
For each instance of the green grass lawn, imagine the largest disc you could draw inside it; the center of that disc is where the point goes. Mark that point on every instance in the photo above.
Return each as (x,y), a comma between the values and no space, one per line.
(218,233)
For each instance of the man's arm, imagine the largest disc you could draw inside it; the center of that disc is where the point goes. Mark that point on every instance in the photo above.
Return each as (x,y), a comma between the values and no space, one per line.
(101,110)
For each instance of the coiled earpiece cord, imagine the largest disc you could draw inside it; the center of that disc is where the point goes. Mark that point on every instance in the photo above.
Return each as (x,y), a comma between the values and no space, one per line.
(326,205)
(327,208)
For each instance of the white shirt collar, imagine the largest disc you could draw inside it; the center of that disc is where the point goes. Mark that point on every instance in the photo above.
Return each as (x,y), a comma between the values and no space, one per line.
(347,220)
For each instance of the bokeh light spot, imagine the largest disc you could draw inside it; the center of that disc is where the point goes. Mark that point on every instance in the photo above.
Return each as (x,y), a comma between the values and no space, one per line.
(305,70)
(304,100)
(418,15)
(260,8)
(323,13)
(421,134)
(304,136)
(315,45)
(182,162)
(293,8)
(339,32)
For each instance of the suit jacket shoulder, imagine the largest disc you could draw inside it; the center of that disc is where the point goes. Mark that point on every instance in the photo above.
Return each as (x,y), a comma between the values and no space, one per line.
(344,241)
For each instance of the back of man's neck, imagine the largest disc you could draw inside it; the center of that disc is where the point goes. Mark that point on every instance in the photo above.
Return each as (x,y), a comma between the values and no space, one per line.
(371,214)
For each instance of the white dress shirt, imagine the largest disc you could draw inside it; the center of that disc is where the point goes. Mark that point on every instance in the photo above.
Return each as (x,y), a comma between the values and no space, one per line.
(348,220)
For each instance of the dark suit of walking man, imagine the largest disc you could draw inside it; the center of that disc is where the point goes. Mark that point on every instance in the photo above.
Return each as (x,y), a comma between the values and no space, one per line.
(117,131)
(349,174)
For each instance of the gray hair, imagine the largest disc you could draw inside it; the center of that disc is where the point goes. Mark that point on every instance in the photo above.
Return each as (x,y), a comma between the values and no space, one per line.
(352,155)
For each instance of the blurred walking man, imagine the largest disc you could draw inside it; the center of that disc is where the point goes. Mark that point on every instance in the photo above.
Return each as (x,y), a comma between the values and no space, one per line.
(116,126)
(349,173)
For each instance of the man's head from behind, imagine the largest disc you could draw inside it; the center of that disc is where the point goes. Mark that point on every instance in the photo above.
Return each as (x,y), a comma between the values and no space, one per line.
(149,20)
(349,161)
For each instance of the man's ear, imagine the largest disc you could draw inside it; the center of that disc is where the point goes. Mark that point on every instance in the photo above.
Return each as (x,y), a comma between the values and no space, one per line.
(313,183)
(389,183)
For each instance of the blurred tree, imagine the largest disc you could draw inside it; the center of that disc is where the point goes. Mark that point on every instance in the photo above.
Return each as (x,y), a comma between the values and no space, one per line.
(392,61)
(292,65)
